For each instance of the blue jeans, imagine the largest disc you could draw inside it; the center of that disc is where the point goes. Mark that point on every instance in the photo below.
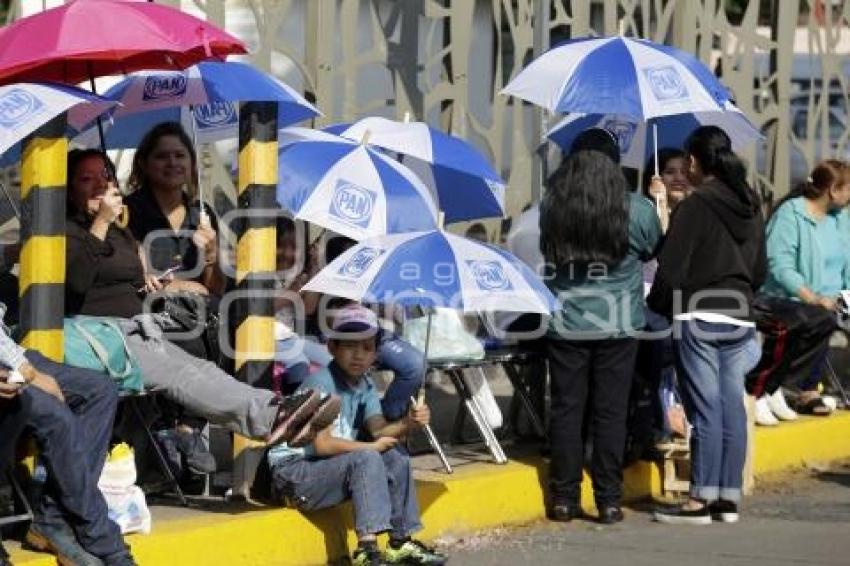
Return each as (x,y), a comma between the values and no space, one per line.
(380,486)
(712,360)
(406,362)
(72,438)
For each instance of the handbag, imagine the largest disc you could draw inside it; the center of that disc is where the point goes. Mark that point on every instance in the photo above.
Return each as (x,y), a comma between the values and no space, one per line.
(191,322)
(97,343)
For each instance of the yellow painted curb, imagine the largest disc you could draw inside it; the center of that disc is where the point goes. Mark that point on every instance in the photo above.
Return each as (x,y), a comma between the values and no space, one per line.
(476,496)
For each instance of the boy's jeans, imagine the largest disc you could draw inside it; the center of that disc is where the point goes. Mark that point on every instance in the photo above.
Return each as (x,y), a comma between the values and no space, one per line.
(712,360)
(380,487)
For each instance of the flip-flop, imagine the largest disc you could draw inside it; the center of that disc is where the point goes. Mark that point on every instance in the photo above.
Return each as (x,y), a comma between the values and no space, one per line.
(293,410)
(324,416)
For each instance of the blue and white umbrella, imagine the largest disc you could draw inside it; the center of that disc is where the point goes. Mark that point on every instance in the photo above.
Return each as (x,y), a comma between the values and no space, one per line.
(465,184)
(636,138)
(435,269)
(617,75)
(25,107)
(202,97)
(348,187)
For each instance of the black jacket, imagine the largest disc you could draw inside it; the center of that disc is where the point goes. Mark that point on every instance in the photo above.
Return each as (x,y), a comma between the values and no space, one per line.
(714,256)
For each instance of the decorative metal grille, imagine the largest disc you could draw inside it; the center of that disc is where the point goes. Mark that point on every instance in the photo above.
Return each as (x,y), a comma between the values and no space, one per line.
(445,61)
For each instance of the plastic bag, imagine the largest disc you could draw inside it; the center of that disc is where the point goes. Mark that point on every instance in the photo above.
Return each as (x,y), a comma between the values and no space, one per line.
(126,501)
(448,340)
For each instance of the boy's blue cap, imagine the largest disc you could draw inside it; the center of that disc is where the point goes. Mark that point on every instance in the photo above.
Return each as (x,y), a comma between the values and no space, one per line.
(355,319)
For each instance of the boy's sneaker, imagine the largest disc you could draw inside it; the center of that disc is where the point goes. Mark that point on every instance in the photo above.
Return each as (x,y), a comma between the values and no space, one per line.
(367,555)
(724,511)
(412,551)
(683,516)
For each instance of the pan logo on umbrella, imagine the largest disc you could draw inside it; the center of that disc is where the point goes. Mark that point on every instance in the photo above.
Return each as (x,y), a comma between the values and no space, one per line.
(359,262)
(215,115)
(623,130)
(352,203)
(666,83)
(164,86)
(489,275)
(18,106)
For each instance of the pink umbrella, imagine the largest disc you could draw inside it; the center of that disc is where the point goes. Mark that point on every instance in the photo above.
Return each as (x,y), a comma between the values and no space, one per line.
(92,38)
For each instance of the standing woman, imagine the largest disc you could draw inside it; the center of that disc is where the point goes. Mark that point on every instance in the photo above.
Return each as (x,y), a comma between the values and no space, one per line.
(164,181)
(712,262)
(595,233)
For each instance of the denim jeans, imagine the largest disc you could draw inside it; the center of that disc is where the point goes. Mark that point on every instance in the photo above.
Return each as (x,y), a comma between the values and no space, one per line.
(380,486)
(406,362)
(73,438)
(408,366)
(712,360)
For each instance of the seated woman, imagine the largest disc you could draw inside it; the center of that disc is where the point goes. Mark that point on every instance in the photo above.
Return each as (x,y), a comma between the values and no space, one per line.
(105,277)
(178,232)
(808,253)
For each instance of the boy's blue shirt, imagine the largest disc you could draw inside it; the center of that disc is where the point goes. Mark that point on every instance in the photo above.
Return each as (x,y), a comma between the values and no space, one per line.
(358,404)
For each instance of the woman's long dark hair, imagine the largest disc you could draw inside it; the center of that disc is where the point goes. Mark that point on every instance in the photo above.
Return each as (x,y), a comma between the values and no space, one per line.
(712,149)
(584,216)
(137,175)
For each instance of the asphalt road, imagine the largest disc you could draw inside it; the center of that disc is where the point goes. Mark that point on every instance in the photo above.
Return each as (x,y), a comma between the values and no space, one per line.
(802,518)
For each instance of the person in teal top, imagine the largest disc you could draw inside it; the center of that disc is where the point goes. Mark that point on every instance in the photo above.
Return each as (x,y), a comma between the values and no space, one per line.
(594,235)
(808,254)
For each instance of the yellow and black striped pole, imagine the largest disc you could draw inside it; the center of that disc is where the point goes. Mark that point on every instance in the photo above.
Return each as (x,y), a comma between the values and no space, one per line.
(42,275)
(255,265)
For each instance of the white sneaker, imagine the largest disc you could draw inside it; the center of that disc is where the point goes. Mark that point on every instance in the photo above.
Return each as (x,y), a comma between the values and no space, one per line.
(779,407)
(830,402)
(764,417)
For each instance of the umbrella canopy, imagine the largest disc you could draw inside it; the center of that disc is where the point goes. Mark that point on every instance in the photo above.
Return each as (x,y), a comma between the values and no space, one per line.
(466,185)
(348,187)
(635,137)
(25,107)
(434,269)
(210,88)
(93,38)
(618,75)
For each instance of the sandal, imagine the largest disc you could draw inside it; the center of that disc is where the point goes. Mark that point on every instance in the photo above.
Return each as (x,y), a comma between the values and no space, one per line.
(814,406)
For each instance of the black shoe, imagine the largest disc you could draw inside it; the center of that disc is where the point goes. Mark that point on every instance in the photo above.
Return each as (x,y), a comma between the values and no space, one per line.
(191,445)
(682,516)
(610,514)
(565,512)
(724,511)
(59,541)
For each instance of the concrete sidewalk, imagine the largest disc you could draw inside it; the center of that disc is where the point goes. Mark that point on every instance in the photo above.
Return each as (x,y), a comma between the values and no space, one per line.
(478,495)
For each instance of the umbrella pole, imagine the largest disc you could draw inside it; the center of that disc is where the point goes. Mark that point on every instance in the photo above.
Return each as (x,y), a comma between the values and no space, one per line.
(99,122)
(203,217)
(429,432)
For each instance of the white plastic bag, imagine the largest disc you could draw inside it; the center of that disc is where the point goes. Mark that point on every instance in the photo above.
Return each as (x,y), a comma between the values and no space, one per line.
(126,501)
(449,340)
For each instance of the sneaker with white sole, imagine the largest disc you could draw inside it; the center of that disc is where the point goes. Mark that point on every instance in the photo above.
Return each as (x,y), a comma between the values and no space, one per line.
(764,416)
(683,516)
(779,407)
(724,511)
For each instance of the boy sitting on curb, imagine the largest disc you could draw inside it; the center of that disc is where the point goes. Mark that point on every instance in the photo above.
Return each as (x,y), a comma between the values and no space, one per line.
(375,475)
